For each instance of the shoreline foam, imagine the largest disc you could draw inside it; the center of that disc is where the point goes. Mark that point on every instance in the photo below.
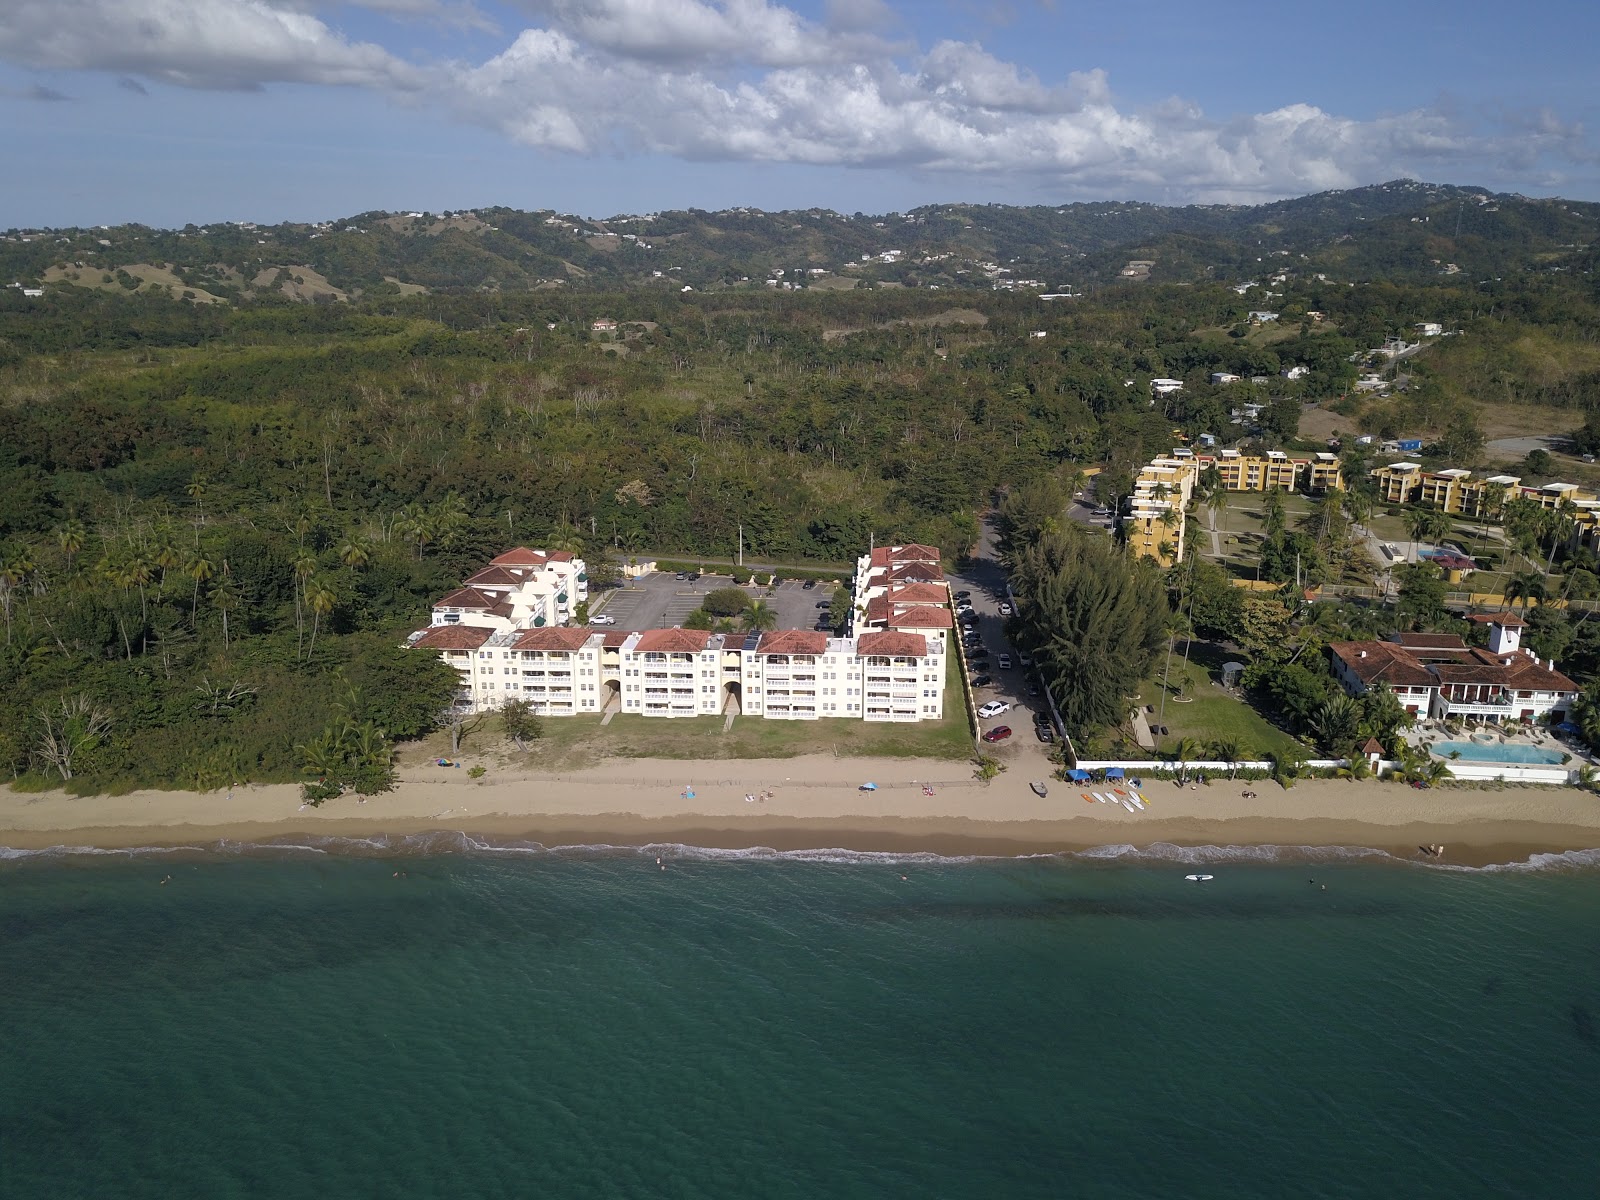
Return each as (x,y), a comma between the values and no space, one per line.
(815,806)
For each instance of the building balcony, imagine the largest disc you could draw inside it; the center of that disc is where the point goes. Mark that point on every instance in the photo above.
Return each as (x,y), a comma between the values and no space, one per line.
(1480,708)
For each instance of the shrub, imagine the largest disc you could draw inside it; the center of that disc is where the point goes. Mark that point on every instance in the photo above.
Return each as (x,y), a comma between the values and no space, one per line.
(726,602)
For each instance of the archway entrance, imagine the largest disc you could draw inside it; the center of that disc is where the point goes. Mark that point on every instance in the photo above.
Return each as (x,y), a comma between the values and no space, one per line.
(732,697)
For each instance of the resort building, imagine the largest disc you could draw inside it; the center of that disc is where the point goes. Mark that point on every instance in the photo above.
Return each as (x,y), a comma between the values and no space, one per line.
(1438,675)
(521,589)
(504,647)
(1155,524)
(1455,490)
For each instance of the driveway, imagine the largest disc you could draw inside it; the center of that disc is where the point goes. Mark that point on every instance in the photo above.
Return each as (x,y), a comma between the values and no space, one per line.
(1023,754)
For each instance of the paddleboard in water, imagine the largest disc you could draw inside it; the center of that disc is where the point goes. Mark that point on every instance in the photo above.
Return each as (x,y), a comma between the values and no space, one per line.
(1199,878)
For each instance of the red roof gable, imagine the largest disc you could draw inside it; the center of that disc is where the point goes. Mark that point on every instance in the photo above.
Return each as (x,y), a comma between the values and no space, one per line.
(1508,620)
(519,557)
(453,637)
(919,593)
(676,641)
(893,644)
(493,577)
(915,573)
(793,641)
(615,638)
(467,598)
(922,617)
(552,639)
(1383,662)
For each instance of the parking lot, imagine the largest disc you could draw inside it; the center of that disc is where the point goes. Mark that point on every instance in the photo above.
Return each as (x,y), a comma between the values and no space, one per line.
(1022,751)
(660,600)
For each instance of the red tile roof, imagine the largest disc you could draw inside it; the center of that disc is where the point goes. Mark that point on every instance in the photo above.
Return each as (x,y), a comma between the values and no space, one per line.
(519,557)
(552,639)
(559,555)
(493,577)
(915,573)
(1383,662)
(453,637)
(1509,620)
(893,644)
(677,641)
(1429,641)
(911,552)
(919,593)
(793,641)
(922,617)
(615,638)
(467,598)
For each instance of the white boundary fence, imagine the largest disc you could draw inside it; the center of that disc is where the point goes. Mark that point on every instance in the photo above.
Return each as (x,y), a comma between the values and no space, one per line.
(1476,771)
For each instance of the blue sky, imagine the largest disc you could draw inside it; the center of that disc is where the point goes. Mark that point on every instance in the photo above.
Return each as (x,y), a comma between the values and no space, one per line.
(169,111)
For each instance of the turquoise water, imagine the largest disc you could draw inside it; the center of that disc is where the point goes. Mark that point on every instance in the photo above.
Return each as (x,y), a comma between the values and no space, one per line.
(295,1024)
(1514,753)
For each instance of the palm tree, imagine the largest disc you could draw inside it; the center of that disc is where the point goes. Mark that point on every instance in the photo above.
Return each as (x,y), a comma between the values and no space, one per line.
(196,489)
(304,565)
(226,597)
(1527,586)
(70,537)
(1272,513)
(1217,504)
(1228,749)
(1186,749)
(322,602)
(356,551)
(760,617)
(1417,526)
(199,569)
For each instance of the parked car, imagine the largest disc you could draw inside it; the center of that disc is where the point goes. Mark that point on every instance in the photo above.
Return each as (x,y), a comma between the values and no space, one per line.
(808,585)
(823,627)
(1005,662)
(694,576)
(998,734)
(1045,734)
(963,595)
(1024,659)
(993,709)
(982,680)
(1033,688)
(1005,608)
(681,575)
(602,619)
(824,603)
(964,606)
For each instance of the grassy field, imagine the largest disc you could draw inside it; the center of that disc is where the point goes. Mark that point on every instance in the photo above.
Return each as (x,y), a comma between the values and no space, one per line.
(1211,713)
(570,743)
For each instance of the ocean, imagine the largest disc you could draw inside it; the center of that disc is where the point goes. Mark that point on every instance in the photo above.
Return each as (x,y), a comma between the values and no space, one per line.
(288,1023)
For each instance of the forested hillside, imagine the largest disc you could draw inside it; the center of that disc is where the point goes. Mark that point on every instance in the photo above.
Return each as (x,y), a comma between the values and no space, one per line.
(218,520)
(1398,231)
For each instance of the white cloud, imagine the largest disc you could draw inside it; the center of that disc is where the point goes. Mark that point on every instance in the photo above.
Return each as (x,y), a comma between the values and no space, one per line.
(755,81)
(194,43)
(680,32)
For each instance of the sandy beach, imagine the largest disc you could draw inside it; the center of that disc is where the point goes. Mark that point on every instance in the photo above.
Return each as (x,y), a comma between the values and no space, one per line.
(814,802)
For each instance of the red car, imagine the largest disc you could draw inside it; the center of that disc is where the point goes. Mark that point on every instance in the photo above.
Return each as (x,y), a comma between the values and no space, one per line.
(998,734)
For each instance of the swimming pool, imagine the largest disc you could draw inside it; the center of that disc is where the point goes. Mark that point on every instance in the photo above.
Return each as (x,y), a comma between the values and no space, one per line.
(1514,753)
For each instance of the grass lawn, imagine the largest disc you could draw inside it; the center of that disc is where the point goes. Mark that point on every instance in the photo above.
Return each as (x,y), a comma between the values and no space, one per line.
(573,742)
(1211,713)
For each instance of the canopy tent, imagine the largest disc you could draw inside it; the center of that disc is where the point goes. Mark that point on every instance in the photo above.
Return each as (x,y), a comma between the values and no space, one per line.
(1113,772)
(1078,776)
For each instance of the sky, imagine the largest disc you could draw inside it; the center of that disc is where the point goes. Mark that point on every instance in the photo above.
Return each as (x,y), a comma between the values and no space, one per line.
(175,111)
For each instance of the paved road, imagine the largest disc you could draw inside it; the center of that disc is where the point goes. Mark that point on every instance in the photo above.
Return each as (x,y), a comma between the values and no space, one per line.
(1024,755)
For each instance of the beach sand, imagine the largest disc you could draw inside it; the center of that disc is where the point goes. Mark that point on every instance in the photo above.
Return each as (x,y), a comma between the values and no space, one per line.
(815,803)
